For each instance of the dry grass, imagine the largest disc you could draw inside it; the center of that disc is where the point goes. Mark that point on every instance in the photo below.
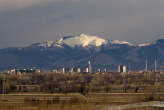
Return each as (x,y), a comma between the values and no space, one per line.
(76,106)
(94,101)
(146,108)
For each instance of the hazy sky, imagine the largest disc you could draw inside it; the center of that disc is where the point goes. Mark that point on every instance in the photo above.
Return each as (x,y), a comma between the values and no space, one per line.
(23,22)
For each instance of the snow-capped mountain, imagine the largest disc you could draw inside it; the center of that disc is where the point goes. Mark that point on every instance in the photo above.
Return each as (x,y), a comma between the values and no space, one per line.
(71,51)
(83,40)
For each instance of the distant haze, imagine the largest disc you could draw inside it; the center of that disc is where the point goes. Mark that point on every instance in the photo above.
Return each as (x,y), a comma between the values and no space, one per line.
(23,22)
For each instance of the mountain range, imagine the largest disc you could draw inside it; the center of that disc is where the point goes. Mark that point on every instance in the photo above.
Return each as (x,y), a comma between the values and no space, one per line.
(75,51)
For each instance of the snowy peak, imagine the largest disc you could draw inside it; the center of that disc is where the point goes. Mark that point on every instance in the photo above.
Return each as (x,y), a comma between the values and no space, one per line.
(83,40)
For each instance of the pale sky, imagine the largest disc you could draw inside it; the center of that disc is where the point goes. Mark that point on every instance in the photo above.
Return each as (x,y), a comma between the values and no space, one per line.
(23,22)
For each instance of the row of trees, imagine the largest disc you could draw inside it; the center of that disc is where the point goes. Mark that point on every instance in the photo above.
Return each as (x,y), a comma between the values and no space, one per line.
(83,83)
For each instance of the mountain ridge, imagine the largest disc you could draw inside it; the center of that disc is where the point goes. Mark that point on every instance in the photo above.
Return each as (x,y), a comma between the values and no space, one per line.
(85,40)
(108,54)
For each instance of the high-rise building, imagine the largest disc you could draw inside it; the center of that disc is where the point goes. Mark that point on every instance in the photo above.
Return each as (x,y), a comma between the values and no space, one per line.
(155,65)
(99,70)
(90,66)
(146,65)
(105,70)
(63,70)
(78,70)
(87,70)
(120,68)
(124,69)
(72,70)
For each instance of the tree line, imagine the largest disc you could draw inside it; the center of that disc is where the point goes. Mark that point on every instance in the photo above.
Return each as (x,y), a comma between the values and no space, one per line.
(82,83)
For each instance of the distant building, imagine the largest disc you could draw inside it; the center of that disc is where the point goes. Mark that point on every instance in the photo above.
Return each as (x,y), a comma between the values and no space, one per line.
(105,70)
(78,70)
(124,69)
(99,70)
(87,70)
(146,65)
(72,70)
(55,71)
(63,70)
(155,65)
(13,71)
(120,68)
(90,67)
(26,70)
(20,71)
(38,71)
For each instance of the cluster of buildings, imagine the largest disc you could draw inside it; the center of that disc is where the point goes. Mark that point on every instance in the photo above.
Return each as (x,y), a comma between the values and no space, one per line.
(122,68)
(88,69)
(20,71)
(76,69)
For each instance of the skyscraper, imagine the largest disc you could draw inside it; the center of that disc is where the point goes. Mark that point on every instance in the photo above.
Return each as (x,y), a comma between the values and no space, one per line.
(120,68)
(124,69)
(155,65)
(146,65)
(63,70)
(90,66)
(87,70)
(78,70)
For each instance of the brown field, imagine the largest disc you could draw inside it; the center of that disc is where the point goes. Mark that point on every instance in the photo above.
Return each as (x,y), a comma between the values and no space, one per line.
(80,91)
(94,101)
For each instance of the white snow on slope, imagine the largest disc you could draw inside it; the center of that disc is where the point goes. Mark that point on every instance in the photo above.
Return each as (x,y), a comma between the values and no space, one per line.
(143,45)
(83,40)
(120,42)
(46,44)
